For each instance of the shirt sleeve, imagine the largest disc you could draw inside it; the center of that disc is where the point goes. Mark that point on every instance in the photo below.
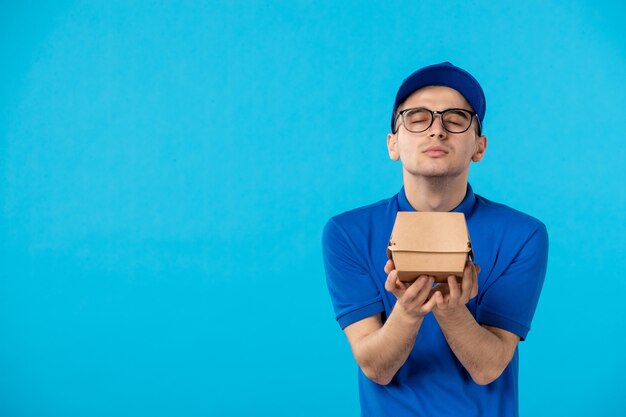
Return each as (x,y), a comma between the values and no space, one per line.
(353,293)
(511,299)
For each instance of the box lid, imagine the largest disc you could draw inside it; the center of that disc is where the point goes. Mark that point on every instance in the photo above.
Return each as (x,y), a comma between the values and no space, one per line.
(430,232)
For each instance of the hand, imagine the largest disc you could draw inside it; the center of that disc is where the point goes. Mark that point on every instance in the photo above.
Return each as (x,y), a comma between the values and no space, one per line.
(413,298)
(450,296)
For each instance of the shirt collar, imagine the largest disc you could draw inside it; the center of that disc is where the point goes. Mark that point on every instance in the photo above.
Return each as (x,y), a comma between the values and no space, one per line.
(464,207)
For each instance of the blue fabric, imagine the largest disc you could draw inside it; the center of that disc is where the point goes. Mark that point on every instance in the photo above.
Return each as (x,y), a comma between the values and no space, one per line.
(511,249)
(448,75)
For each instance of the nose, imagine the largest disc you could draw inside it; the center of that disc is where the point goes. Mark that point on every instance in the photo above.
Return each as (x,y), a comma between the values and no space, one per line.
(436,129)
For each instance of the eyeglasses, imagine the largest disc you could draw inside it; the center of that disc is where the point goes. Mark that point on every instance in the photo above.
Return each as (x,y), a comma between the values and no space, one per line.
(420,119)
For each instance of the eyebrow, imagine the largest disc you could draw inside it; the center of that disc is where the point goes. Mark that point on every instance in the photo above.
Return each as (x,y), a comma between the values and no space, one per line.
(457,109)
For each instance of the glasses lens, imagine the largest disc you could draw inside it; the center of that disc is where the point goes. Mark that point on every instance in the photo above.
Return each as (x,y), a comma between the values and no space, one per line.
(417,120)
(457,121)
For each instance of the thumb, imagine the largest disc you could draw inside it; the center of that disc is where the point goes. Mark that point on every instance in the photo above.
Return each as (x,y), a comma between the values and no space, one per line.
(393,284)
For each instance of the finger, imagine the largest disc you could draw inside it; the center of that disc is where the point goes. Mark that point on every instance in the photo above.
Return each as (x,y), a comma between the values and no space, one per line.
(455,293)
(414,289)
(440,301)
(392,286)
(401,285)
(430,304)
(467,282)
(390,283)
(389,266)
(442,287)
(424,293)
(474,291)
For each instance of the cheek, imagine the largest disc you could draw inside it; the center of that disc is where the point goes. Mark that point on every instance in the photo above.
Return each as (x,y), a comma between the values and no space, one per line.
(470,149)
(403,151)
(406,147)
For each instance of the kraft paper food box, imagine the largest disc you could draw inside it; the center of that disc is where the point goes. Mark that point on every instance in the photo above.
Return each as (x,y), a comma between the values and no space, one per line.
(429,243)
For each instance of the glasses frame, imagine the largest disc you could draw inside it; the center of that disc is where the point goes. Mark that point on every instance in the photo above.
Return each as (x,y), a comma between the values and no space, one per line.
(432,119)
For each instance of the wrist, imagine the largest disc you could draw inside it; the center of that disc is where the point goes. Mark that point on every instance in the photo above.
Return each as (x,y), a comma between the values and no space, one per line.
(407,316)
(451,313)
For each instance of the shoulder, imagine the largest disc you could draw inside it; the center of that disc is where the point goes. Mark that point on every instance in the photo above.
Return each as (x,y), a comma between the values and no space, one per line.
(361,216)
(501,215)
(360,227)
(510,229)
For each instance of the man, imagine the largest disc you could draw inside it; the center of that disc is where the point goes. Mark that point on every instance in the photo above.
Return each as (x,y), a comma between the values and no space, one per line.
(451,349)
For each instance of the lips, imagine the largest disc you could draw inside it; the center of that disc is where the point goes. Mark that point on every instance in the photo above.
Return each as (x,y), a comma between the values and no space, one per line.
(435,151)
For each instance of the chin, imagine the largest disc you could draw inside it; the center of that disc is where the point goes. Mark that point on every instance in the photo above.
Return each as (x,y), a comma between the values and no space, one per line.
(434,174)
(428,173)
(429,169)
(433,171)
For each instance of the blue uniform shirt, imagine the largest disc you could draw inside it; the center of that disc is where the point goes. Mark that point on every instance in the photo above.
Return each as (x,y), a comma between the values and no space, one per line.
(511,249)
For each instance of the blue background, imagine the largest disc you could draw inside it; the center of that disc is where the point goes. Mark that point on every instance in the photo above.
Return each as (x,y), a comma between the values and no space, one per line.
(166,169)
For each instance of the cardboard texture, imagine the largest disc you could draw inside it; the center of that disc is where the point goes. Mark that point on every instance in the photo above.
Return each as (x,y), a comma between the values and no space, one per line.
(429,243)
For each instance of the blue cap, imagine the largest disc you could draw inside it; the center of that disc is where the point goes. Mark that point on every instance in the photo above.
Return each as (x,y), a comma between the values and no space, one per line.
(447,75)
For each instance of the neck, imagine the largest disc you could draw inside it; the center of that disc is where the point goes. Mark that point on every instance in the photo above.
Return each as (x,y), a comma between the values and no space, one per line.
(434,193)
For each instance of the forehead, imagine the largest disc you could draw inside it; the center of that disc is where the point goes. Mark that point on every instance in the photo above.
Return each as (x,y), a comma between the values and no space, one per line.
(436,97)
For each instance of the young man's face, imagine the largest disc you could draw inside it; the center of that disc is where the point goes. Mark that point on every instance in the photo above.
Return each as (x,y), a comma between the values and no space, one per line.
(436,152)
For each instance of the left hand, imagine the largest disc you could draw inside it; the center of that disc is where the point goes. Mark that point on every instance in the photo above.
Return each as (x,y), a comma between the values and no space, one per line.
(450,296)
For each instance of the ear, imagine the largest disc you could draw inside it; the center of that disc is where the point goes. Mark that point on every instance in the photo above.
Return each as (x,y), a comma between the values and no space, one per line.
(392,146)
(481,147)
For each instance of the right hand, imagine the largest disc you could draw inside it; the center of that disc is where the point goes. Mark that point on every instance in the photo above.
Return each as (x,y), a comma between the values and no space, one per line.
(413,298)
